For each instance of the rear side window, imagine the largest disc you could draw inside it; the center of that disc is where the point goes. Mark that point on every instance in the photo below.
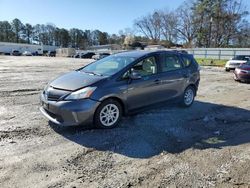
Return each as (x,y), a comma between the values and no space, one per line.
(170,63)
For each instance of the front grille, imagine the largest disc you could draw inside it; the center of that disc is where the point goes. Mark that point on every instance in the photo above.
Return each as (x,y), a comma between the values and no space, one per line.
(52,94)
(53,97)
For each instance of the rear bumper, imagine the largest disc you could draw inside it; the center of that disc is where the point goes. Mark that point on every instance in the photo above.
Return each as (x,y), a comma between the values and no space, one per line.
(69,113)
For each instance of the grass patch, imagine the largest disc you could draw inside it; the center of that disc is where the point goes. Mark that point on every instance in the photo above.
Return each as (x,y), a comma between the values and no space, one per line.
(211,62)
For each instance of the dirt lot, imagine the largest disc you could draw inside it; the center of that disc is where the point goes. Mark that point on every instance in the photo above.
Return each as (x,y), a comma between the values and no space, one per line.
(207,145)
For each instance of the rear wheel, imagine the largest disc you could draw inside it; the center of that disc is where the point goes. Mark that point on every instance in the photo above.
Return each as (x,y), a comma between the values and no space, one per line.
(108,114)
(227,69)
(188,96)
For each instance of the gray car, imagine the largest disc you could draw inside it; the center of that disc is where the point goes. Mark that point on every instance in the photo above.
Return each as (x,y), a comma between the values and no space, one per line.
(105,90)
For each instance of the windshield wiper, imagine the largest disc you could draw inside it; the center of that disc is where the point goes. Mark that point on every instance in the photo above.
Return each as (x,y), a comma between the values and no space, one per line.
(94,73)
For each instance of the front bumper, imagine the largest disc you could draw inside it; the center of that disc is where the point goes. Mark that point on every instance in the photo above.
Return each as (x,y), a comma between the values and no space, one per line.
(243,77)
(231,67)
(69,113)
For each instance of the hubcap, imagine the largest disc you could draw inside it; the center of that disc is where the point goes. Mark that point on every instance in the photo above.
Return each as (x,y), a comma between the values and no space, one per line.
(109,115)
(188,96)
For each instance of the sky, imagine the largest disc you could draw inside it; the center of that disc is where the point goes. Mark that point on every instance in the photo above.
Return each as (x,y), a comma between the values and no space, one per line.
(106,15)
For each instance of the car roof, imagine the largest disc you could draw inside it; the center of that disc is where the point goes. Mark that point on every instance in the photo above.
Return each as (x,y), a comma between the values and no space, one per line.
(141,53)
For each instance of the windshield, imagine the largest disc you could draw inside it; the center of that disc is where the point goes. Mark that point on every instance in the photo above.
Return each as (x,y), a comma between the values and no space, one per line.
(108,65)
(242,57)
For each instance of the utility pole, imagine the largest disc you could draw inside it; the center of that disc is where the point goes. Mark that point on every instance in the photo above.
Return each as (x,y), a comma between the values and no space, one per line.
(210,30)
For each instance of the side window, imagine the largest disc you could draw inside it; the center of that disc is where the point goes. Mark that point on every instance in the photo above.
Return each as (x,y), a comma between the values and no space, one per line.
(170,62)
(187,61)
(146,67)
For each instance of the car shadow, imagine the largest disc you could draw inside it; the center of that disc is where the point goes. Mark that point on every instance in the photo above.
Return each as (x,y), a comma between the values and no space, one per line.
(167,128)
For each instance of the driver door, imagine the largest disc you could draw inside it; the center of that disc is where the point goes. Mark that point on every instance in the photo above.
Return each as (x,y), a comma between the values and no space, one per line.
(143,91)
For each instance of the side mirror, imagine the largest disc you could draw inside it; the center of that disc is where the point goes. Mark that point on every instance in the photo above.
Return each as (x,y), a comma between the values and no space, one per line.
(135,75)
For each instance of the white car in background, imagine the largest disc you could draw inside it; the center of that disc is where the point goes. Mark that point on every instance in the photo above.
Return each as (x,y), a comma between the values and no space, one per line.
(236,62)
(27,53)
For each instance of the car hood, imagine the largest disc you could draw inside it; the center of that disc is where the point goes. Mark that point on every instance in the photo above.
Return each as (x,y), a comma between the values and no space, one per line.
(245,67)
(75,80)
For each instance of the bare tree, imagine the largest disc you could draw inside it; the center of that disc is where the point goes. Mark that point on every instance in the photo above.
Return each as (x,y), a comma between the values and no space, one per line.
(187,27)
(169,26)
(150,26)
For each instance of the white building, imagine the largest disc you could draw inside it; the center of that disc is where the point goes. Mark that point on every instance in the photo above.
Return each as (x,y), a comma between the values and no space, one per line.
(105,48)
(8,47)
(65,52)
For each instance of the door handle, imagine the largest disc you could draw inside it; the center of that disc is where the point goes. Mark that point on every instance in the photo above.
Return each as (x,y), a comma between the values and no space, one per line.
(157,81)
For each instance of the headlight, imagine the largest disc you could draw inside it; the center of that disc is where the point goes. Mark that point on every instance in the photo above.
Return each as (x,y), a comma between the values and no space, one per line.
(237,70)
(81,94)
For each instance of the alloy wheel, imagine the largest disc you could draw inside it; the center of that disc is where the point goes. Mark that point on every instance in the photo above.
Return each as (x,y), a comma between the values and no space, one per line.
(188,96)
(109,115)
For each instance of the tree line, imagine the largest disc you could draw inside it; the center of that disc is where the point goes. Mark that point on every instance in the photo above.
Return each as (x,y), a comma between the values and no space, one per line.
(196,23)
(49,34)
(199,23)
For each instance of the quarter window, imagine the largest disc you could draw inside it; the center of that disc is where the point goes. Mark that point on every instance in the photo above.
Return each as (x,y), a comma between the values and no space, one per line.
(187,61)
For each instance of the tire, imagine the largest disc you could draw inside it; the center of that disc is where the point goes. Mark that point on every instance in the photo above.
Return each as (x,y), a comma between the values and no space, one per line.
(108,114)
(227,69)
(188,97)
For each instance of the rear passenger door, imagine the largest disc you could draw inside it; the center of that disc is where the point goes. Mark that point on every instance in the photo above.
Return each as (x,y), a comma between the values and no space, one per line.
(172,75)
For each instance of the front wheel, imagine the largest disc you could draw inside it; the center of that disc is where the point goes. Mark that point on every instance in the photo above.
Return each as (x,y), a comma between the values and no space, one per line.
(188,96)
(108,114)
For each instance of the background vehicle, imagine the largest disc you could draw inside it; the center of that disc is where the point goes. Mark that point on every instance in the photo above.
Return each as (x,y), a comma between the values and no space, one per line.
(51,54)
(15,53)
(27,53)
(100,56)
(242,73)
(84,55)
(87,55)
(77,55)
(104,90)
(236,62)
(35,53)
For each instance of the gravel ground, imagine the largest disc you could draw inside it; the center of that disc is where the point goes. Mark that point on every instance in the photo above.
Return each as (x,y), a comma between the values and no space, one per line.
(206,145)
